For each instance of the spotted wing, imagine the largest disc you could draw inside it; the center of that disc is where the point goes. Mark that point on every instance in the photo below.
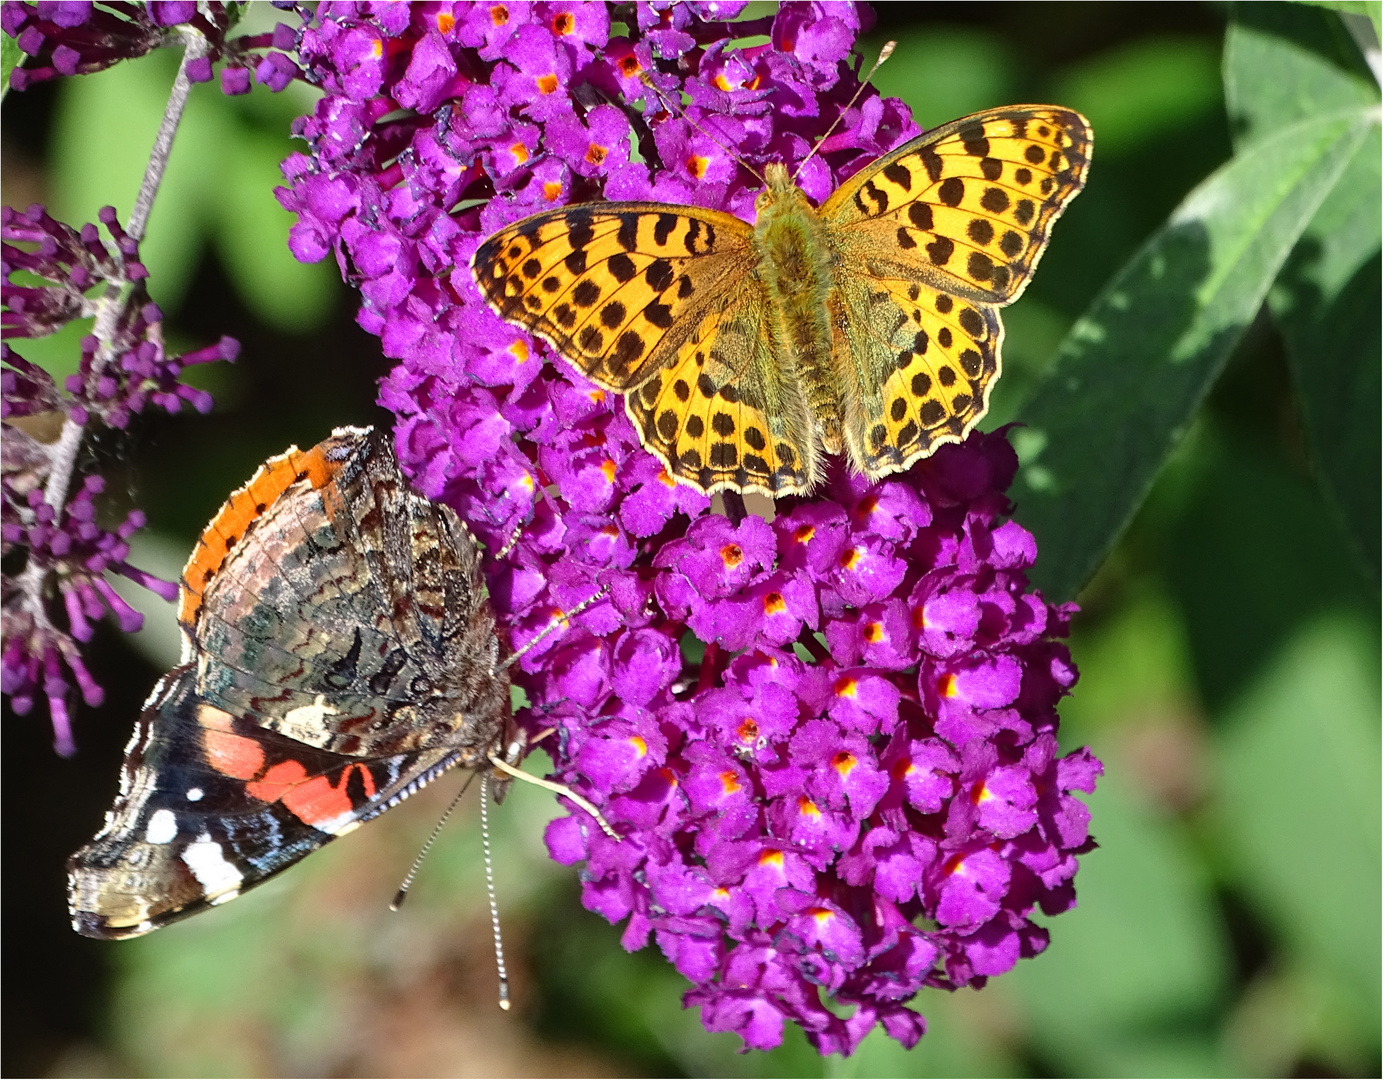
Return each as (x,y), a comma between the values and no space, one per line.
(211,804)
(724,413)
(967,208)
(616,288)
(931,240)
(924,360)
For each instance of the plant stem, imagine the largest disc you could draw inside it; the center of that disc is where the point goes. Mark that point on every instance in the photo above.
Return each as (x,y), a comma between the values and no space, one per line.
(111,306)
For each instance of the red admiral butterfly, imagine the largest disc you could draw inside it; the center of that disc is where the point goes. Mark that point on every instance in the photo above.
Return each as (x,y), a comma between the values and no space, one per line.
(339,653)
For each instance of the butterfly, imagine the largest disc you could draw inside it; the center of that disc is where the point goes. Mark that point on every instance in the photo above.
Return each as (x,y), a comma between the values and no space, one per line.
(868,327)
(339,653)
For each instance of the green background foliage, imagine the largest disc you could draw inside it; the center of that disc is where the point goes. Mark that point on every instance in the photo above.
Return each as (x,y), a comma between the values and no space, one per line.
(1196,369)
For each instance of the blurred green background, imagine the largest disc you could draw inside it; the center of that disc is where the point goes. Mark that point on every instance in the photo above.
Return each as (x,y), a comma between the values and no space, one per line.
(1228,924)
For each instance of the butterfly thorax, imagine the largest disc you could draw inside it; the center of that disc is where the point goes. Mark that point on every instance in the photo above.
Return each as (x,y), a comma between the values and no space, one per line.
(795,263)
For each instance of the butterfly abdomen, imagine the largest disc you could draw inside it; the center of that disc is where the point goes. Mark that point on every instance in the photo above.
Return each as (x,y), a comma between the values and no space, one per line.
(795,264)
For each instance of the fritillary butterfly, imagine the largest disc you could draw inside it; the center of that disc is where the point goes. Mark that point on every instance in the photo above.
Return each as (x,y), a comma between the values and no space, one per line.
(869,327)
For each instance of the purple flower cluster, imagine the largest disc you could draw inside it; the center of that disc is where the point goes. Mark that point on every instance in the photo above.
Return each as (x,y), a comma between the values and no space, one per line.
(78,37)
(860,791)
(854,787)
(45,287)
(75,553)
(55,544)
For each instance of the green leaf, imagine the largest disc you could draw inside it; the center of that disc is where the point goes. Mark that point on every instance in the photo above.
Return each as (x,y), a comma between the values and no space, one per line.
(1132,372)
(1369,9)
(1284,63)
(1326,301)
(1235,556)
(1327,304)
(11,56)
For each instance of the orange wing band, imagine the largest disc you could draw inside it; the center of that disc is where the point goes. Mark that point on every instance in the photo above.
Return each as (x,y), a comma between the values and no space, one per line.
(245,506)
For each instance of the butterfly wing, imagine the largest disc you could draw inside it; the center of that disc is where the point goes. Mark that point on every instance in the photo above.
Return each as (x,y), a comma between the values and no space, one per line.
(722,414)
(211,804)
(924,362)
(616,288)
(967,207)
(340,654)
(932,239)
(347,613)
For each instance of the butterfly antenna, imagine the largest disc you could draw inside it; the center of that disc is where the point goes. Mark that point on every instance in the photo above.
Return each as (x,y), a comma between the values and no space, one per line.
(676,109)
(490,890)
(884,54)
(561,789)
(402,894)
(561,619)
(509,544)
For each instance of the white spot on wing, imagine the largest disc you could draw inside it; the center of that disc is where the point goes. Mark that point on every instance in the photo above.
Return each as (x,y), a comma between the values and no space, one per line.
(208,864)
(194,794)
(312,714)
(162,827)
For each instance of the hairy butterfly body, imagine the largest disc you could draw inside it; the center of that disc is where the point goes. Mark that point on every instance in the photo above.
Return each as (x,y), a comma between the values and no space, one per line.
(868,327)
(339,653)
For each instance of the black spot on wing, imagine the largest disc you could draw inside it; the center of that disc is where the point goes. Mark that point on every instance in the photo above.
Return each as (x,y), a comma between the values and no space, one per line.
(662,228)
(898,173)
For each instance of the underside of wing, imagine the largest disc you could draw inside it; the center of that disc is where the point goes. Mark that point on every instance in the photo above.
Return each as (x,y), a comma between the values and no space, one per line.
(614,287)
(724,413)
(349,615)
(925,363)
(970,205)
(211,805)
